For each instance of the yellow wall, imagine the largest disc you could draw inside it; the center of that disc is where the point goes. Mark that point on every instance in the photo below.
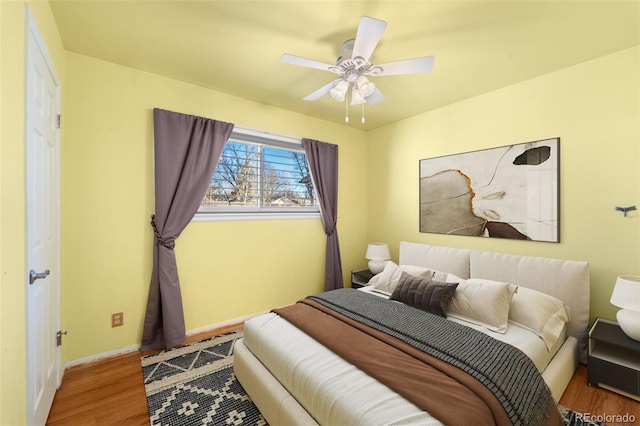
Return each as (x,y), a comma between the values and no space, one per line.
(594,107)
(233,269)
(228,270)
(12,197)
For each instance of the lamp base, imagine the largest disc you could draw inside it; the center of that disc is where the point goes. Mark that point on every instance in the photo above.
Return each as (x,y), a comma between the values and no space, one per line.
(376,266)
(629,322)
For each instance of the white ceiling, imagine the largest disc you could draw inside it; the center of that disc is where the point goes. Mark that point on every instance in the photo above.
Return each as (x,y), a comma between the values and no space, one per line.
(234,46)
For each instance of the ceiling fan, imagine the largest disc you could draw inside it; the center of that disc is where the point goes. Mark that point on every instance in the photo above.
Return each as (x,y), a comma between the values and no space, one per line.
(353,66)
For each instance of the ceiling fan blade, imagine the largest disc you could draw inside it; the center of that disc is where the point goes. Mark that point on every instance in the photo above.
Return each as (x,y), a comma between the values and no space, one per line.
(375,97)
(369,32)
(304,62)
(320,92)
(407,66)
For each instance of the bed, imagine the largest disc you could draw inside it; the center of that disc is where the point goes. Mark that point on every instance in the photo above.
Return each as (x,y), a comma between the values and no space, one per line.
(369,356)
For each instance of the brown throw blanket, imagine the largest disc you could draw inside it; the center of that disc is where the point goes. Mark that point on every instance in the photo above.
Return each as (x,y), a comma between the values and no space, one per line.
(444,391)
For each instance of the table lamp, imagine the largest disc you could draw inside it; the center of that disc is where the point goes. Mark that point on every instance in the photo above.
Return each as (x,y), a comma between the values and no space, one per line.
(378,254)
(626,295)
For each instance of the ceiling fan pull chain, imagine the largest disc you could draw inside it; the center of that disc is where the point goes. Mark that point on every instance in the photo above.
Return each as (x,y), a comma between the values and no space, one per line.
(346,108)
(362,114)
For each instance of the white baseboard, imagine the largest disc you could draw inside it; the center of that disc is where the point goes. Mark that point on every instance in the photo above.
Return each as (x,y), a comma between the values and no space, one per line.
(129,349)
(101,356)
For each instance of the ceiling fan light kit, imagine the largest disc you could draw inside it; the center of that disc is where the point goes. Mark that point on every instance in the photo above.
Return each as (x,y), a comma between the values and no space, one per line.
(356,97)
(339,90)
(364,86)
(353,67)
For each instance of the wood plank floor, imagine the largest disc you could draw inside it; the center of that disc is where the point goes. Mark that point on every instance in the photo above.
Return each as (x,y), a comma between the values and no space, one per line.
(111,392)
(597,401)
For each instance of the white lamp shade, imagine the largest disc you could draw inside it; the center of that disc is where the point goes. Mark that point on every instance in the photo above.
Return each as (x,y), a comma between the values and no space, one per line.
(626,293)
(378,254)
(356,98)
(339,91)
(365,87)
(378,251)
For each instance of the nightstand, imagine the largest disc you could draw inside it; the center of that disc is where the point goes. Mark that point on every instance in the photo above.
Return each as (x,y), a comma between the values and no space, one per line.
(360,278)
(614,359)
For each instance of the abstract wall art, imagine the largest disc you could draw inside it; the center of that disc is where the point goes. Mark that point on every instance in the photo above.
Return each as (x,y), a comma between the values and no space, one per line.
(506,192)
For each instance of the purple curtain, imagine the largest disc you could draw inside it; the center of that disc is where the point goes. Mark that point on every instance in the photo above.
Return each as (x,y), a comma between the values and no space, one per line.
(187,149)
(323,162)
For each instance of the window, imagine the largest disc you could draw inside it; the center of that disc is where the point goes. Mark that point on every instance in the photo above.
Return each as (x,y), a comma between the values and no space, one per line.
(260,175)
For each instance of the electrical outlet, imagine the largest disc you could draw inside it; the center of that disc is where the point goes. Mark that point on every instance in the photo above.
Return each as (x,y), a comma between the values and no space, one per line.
(117,319)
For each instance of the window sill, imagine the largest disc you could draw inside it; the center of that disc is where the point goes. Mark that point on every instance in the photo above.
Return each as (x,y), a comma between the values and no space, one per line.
(218,217)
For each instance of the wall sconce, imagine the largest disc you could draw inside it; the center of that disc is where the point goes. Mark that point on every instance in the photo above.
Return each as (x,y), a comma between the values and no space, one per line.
(378,254)
(626,295)
(625,209)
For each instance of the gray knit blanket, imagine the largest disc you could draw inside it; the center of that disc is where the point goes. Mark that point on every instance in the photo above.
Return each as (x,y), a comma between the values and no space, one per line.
(505,370)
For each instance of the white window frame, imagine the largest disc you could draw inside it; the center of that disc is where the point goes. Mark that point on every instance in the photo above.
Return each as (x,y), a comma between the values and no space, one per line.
(272,140)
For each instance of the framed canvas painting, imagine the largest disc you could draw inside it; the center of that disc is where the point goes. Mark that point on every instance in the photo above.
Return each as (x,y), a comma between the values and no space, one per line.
(506,192)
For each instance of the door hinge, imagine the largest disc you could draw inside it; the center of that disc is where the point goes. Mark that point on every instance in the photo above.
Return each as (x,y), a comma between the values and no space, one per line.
(58,121)
(59,337)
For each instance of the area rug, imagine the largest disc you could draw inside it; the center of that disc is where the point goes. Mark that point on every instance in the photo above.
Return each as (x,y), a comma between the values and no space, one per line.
(195,385)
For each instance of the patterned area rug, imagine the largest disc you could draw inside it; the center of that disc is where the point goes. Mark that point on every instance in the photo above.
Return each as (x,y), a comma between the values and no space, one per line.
(195,385)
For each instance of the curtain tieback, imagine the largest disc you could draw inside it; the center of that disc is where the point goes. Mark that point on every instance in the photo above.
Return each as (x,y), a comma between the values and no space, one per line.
(168,244)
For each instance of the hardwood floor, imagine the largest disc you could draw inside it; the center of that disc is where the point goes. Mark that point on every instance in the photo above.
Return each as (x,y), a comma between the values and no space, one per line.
(597,401)
(111,392)
(108,392)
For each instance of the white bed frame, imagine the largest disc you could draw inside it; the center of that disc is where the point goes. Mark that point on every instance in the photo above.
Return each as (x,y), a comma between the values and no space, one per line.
(566,280)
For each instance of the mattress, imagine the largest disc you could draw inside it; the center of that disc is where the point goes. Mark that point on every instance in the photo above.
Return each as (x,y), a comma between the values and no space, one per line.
(331,389)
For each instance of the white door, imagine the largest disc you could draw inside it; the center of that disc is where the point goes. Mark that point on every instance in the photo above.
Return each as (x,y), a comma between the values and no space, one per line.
(42,190)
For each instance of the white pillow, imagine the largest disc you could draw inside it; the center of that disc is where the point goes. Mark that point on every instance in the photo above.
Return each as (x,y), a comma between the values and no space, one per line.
(387,280)
(390,265)
(483,302)
(539,312)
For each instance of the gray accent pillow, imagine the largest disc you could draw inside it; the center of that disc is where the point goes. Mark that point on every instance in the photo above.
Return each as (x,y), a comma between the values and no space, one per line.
(424,293)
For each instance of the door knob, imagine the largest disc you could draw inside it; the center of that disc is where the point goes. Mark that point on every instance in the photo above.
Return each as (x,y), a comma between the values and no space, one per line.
(33,275)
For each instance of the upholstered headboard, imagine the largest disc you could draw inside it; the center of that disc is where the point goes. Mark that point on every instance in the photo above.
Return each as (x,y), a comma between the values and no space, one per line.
(564,279)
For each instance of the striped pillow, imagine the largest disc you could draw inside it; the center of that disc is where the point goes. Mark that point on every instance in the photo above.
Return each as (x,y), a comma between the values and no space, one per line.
(424,293)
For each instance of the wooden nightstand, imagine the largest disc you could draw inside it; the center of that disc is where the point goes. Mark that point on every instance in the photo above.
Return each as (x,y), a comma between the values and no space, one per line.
(614,359)
(360,278)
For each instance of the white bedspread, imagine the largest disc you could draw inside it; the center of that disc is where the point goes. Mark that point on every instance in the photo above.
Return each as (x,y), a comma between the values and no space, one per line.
(330,388)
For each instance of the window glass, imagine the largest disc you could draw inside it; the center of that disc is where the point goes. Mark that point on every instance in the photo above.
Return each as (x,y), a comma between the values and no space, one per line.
(259,174)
